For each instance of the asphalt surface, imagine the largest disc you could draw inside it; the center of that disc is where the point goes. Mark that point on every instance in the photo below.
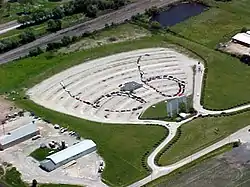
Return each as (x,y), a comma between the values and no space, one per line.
(8,25)
(116,17)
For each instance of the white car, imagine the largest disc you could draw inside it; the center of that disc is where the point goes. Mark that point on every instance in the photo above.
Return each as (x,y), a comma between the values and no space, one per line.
(56,126)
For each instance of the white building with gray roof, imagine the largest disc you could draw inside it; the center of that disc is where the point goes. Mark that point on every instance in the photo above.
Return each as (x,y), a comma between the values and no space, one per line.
(18,135)
(71,153)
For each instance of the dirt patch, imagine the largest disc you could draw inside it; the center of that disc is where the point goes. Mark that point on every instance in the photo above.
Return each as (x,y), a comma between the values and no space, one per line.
(235,48)
(6,108)
(114,35)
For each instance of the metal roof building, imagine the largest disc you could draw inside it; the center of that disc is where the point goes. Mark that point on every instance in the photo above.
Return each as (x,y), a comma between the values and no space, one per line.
(242,38)
(18,135)
(71,153)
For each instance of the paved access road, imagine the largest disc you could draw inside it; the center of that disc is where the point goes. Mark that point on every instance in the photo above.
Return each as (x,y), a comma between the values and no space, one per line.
(157,171)
(118,16)
(9,26)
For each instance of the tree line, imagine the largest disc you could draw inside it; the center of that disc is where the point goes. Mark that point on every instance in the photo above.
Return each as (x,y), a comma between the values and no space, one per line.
(24,38)
(90,8)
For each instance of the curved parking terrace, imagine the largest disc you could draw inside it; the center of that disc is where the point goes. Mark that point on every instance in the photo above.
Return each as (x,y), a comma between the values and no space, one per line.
(118,87)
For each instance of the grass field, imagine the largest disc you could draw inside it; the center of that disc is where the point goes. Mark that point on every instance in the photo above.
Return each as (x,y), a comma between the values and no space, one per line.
(41,153)
(201,133)
(157,111)
(225,87)
(217,24)
(27,74)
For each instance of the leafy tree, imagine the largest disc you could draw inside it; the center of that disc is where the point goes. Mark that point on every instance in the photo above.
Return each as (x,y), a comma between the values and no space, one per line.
(1,3)
(34,183)
(53,46)
(69,8)
(25,2)
(27,36)
(8,44)
(152,11)
(91,11)
(244,29)
(35,52)
(74,39)
(66,40)
(54,25)
(155,25)
(58,13)
(118,3)
(24,19)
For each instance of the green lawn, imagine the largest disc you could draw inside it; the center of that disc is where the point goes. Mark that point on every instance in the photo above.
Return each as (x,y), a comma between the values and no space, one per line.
(226,79)
(41,153)
(157,111)
(201,133)
(217,24)
(123,163)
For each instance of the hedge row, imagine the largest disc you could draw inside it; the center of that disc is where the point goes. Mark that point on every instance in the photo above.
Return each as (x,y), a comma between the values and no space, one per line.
(168,146)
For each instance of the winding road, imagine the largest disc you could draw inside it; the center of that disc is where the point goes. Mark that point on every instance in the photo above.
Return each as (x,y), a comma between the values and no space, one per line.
(98,77)
(159,171)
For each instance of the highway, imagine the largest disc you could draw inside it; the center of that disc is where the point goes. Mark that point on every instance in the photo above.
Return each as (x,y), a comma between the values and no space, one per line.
(116,17)
(9,26)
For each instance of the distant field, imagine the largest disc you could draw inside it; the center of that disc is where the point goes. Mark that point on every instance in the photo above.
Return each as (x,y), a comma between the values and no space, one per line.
(218,24)
(231,169)
(16,7)
(201,133)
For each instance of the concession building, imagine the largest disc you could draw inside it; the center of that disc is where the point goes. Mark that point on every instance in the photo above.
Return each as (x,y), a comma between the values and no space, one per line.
(71,153)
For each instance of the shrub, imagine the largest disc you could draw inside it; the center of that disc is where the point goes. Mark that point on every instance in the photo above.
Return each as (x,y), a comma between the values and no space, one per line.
(35,52)
(155,25)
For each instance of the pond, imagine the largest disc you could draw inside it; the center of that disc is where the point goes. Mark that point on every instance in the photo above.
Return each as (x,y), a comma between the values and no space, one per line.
(179,13)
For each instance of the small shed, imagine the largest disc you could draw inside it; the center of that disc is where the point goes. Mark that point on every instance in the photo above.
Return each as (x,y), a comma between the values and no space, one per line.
(242,38)
(184,115)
